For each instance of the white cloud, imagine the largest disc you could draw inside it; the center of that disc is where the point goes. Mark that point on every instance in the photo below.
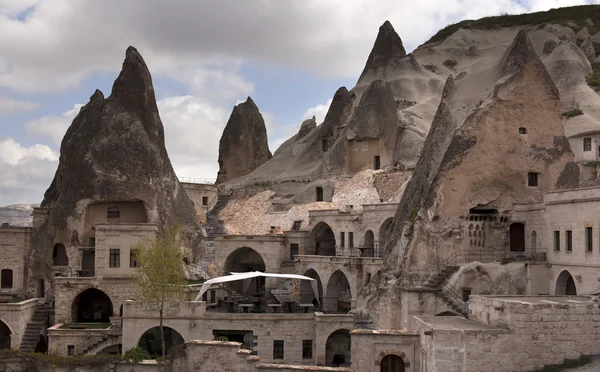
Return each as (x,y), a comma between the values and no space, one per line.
(319,111)
(26,171)
(53,127)
(11,106)
(58,44)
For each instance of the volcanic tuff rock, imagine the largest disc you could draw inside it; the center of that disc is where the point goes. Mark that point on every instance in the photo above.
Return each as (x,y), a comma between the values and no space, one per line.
(114,151)
(243,146)
(387,51)
(307,126)
(516,93)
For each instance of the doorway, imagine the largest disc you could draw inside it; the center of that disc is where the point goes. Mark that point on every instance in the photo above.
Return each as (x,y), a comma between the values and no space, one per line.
(376,162)
(517,237)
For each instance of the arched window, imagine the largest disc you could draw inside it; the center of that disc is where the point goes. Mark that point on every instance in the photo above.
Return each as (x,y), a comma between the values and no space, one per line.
(59,255)
(392,363)
(6,279)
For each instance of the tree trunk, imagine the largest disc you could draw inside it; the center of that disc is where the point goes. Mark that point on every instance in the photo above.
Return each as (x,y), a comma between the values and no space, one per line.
(162,336)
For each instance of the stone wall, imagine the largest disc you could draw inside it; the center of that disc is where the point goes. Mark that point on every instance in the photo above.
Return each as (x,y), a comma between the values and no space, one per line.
(16,316)
(15,244)
(370,347)
(272,249)
(196,192)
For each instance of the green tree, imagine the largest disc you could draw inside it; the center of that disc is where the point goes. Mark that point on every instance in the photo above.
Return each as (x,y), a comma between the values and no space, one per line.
(160,277)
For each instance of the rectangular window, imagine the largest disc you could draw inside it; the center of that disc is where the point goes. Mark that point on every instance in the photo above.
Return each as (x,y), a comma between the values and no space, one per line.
(293,251)
(350,239)
(71,350)
(589,239)
(296,226)
(532,179)
(213,297)
(205,201)
(132,261)
(342,239)
(557,241)
(569,241)
(114,258)
(466,294)
(92,242)
(278,349)
(587,144)
(113,213)
(307,349)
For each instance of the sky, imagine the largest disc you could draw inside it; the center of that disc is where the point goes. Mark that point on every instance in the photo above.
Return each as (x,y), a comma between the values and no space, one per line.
(205,56)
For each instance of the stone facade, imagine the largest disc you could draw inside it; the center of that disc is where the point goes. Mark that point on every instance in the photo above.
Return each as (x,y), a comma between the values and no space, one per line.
(370,347)
(15,245)
(16,316)
(204,197)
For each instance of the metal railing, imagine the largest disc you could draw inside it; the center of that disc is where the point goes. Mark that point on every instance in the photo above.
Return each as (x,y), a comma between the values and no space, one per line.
(87,341)
(203,181)
(362,252)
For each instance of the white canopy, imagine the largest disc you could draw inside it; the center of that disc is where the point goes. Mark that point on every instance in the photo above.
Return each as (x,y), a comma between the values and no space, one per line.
(255,274)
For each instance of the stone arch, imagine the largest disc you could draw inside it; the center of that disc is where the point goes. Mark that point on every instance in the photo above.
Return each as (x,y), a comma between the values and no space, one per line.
(517,237)
(369,244)
(533,241)
(59,255)
(306,290)
(6,333)
(339,294)
(114,349)
(565,285)
(398,353)
(322,239)
(448,313)
(91,305)
(385,232)
(245,259)
(338,348)
(150,340)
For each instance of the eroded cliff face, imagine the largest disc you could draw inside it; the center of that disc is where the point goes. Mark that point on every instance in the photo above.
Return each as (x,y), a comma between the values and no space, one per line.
(113,152)
(492,129)
(243,146)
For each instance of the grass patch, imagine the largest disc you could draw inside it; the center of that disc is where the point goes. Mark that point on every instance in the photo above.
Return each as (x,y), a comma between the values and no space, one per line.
(569,363)
(15,300)
(85,326)
(195,281)
(594,163)
(577,14)
(413,215)
(57,360)
(572,113)
(450,63)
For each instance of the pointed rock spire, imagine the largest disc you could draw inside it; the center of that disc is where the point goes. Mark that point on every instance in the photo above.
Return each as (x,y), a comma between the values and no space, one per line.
(133,88)
(307,126)
(388,48)
(518,54)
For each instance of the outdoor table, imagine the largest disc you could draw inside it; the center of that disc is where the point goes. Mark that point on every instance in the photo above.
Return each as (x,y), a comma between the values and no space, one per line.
(245,307)
(306,307)
(275,307)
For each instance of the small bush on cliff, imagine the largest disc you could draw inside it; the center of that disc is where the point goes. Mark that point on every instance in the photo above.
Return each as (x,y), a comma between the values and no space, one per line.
(573,112)
(450,63)
(136,355)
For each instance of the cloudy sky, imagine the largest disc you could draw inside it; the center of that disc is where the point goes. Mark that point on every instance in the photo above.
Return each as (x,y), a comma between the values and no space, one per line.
(290,56)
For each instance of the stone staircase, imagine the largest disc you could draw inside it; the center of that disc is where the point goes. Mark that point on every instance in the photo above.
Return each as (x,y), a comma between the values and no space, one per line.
(35,327)
(213,225)
(441,276)
(450,295)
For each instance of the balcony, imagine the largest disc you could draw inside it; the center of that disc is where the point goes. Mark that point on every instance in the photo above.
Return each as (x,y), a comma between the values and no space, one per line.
(358,252)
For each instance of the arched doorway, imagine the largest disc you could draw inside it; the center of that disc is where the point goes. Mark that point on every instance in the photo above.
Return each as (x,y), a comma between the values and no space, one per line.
(339,295)
(517,237)
(151,341)
(91,306)
(385,231)
(533,241)
(306,291)
(392,363)
(59,255)
(338,348)
(245,260)
(565,285)
(323,239)
(4,336)
(369,244)
(42,345)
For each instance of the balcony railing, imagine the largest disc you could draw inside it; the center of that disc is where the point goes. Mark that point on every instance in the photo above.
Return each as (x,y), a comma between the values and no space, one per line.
(363,252)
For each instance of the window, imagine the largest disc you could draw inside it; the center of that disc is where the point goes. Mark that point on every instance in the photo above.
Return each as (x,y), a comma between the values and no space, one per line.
(466,294)
(342,239)
(319,191)
(350,239)
(368,279)
(293,251)
(557,241)
(71,350)
(522,130)
(132,261)
(213,297)
(114,258)
(205,201)
(306,349)
(113,212)
(589,239)
(569,241)
(532,179)
(324,144)
(296,225)
(6,279)
(587,144)
(278,349)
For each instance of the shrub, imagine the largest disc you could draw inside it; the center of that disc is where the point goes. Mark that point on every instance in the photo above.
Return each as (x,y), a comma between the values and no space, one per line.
(450,63)
(413,215)
(136,355)
(573,112)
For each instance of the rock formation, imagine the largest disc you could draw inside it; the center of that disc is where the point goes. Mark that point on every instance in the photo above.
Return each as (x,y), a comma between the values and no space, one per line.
(387,51)
(114,151)
(307,127)
(516,100)
(243,146)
